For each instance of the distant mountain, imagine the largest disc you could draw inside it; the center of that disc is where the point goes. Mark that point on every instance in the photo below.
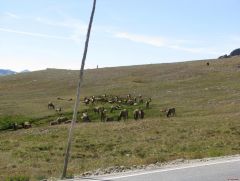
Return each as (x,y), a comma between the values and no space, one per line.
(24,71)
(10,72)
(6,72)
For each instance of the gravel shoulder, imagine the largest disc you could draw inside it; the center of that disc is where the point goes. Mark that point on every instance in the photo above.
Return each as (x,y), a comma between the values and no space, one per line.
(117,170)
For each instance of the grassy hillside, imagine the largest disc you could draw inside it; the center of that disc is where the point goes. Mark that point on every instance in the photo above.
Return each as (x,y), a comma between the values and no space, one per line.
(189,86)
(206,98)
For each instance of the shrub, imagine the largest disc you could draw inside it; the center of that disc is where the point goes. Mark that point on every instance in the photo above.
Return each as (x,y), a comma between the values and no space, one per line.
(6,122)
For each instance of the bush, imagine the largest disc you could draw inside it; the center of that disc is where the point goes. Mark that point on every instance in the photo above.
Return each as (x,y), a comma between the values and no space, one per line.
(6,122)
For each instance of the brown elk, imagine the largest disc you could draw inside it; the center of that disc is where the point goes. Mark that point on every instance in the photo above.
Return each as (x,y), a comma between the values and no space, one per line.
(85,117)
(51,105)
(171,112)
(138,114)
(123,114)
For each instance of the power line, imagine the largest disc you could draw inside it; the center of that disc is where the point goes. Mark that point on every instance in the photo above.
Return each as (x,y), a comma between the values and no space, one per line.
(78,94)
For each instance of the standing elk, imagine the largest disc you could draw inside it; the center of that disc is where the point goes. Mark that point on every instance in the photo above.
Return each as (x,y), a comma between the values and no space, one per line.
(103,114)
(85,117)
(138,114)
(51,105)
(147,104)
(171,112)
(123,114)
(59,110)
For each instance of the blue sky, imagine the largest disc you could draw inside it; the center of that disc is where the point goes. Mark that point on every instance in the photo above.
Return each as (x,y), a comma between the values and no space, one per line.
(51,33)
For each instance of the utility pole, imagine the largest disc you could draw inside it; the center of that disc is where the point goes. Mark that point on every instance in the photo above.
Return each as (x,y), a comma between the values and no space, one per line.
(78,94)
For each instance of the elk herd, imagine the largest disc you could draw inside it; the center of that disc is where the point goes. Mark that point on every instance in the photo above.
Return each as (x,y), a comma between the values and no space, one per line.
(108,108)
(115,108)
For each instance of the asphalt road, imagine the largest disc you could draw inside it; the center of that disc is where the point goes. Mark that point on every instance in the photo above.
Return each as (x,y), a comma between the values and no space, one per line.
(214,170)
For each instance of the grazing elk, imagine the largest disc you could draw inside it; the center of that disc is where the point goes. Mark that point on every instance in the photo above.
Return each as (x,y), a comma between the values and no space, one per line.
(109,119)
(140,100)
(15,126)
(171,112)
(138,114)
(26,125)
(86,101)
(114,108)
(68,121)
(123,114)
(130,102)
(61,119)
(141,114)
(135,114)
(147,104)
(59,110)
(51,105)
(129,96)
(98,109)
(59,98)
(52,123)
(103,114)
(85,117)
(93,99)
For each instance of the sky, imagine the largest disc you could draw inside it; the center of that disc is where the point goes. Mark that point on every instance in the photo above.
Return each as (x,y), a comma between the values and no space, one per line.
(44,34)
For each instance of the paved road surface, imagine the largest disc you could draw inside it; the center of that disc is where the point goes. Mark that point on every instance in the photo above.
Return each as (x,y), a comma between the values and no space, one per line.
(215,170)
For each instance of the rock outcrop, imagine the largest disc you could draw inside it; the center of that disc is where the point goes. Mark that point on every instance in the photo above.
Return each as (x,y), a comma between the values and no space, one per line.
(235,52)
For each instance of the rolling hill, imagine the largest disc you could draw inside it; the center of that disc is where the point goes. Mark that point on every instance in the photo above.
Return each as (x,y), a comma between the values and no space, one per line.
(207,122)
(189,86)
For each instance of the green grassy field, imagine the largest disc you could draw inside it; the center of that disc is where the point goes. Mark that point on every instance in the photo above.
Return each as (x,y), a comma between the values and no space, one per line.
(206,98)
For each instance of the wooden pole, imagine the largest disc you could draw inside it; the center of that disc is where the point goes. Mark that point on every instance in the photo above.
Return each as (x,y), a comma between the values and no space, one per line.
(78,94)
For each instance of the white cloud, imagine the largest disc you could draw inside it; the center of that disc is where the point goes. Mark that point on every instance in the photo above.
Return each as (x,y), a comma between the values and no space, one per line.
(12,15)
(191,50)
(35,34)
(77,27)
(155,41)
(178,44)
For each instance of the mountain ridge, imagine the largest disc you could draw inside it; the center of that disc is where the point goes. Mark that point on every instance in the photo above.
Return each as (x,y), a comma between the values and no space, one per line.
(4,72)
